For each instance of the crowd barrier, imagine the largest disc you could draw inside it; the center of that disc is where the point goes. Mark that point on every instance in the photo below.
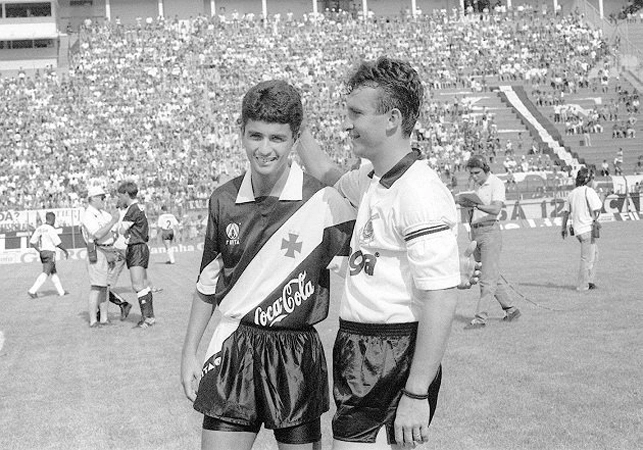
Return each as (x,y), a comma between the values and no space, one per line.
(520,214)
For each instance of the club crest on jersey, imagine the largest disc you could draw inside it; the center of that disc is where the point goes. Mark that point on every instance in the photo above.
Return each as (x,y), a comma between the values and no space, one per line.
(232,232)
(291,245)
(294,293)
(367,233)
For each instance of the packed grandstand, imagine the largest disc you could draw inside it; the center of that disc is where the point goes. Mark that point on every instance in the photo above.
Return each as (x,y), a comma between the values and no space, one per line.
(157,101)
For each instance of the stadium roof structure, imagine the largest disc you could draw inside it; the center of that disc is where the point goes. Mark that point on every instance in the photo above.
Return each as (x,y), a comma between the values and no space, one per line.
(55,2)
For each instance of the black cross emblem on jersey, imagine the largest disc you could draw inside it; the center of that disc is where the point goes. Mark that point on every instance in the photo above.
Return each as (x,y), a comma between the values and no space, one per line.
(291,245)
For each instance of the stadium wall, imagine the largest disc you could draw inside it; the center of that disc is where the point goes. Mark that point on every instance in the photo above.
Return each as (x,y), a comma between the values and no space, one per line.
(16,226)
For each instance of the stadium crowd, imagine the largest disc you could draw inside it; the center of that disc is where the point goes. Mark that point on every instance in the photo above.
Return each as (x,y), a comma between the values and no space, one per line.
(155,102)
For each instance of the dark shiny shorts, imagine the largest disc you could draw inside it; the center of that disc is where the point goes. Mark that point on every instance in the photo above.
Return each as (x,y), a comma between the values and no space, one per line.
(137,255)
(300,434)
(167,235)
(48,259)
(269,376)
(371,363)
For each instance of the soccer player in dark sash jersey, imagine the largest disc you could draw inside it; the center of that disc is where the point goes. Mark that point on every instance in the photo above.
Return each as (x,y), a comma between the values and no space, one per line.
(272,234)
(135,227)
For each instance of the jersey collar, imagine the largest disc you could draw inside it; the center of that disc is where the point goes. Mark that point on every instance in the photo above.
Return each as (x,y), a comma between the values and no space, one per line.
(398,169)
(292,190)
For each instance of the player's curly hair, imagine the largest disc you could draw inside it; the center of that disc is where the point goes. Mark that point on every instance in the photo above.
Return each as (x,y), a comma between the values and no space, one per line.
(273,101)
(399,84)
(128,187)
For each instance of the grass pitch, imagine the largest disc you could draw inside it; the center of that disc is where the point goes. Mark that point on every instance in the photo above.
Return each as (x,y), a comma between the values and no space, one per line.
(566,375)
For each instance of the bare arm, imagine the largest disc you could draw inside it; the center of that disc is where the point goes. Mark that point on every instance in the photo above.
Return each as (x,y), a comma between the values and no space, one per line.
(190,370)
(101,232)
(563,231)
(438,310)
(60,246)
(317,163)
(494,208)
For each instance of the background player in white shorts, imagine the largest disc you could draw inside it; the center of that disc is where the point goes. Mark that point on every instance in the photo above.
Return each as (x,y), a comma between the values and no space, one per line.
(45,240)
(168,224)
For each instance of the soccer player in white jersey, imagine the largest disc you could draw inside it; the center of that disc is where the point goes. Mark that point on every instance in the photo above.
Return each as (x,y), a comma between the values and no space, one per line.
(167,223)
(271,236)
(399,296)
(45,240)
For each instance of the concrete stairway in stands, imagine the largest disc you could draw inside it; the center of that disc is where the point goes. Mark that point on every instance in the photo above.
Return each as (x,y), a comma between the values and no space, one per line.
(603,146)
(509,125)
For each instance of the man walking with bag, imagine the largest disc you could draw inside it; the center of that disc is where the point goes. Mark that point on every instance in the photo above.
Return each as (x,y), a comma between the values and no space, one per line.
(584,206)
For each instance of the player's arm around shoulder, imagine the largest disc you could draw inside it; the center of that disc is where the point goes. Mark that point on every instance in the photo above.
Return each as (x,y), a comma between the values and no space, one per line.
(315,160)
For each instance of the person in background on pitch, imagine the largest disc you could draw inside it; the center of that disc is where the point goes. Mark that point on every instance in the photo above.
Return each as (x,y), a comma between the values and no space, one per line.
(271,235)
(400,292)
(120,247)
(168,223)
(485,230)
(96,226)
(135,227)
(45,240)
(584,206)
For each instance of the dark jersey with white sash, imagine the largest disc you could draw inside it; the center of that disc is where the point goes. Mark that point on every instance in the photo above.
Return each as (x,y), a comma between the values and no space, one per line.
(138,233)
(265,260)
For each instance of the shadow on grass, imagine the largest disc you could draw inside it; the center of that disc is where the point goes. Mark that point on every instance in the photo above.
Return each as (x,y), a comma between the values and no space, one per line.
(113,317)
(549,285)
(44,293)
(466,319)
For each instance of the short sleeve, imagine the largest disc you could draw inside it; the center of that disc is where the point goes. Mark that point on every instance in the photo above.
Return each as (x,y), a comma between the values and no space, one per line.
(351,185)
(594,200)
(55,239)
(211,261)
(35,236)
(427,222)
(498,192)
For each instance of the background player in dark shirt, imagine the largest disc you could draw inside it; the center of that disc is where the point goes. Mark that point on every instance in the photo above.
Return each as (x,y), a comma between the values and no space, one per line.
(134,226)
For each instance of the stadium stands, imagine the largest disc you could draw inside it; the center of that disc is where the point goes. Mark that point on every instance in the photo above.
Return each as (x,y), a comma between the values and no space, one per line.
(157,102)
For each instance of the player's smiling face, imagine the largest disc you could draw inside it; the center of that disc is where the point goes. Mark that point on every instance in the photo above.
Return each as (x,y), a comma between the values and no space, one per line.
(267,146)
(367,127)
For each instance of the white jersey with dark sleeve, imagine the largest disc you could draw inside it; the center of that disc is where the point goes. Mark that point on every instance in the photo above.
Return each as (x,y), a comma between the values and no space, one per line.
(404,240)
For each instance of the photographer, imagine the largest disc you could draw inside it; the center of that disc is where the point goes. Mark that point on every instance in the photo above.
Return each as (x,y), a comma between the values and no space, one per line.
(584,207)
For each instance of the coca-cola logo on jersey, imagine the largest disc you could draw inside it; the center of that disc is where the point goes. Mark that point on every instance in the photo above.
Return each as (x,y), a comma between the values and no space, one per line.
(293,294)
